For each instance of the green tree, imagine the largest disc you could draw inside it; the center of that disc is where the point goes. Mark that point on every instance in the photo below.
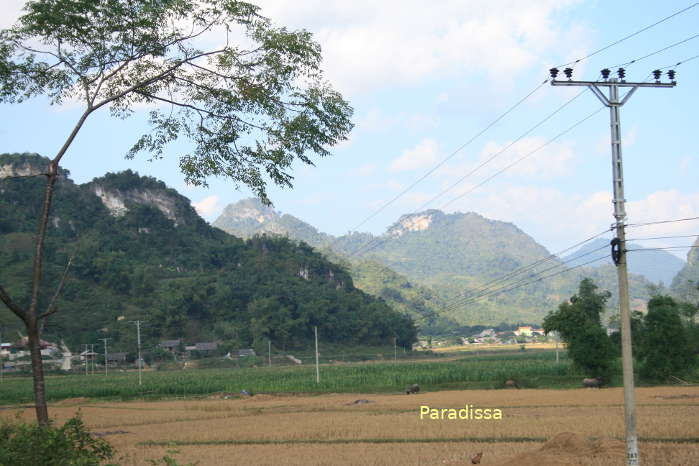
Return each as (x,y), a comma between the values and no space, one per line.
(578,324)
(248,112)
(665,349)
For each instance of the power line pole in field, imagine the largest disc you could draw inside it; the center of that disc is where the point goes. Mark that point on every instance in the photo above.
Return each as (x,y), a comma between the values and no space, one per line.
(138,337)
(614,103)
(106,363)
(317,367)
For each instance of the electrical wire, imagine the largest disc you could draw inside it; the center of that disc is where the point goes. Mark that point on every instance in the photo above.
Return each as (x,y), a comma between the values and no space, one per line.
(637,225)
(375,243)
(575,62)
(661,237)
(656,52)
(450,156)
(550,141)
(530,279)
(509,110)
(541,261)
(662,249)
(539,279)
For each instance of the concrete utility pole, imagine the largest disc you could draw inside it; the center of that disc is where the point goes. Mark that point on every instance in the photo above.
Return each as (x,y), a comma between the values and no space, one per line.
(106,363)
(138,337)
(317,367)
(619,243)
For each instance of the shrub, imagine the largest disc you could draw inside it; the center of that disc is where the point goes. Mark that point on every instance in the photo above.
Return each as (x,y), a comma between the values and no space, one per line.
(70,445)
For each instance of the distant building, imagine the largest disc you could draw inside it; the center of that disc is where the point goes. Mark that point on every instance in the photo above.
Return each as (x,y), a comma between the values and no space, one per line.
(206,346)
(525,331)
(116,357)
(246,352)
(170,345)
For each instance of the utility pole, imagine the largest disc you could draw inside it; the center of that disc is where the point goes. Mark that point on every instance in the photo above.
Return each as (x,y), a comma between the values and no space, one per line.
(395,350)
(269,352)
(618,244)
(138,337)
(106,363)
(92,354)
(317,367)
(85,345)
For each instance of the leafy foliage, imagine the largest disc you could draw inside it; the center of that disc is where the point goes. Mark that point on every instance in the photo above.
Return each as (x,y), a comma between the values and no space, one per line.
(578,323)
(68,445)
(665,349)
(250,112)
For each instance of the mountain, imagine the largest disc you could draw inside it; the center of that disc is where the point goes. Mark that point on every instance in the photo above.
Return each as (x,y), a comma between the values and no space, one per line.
(686,284)
(655,265)
(453,256)
(250,217)
(141,252)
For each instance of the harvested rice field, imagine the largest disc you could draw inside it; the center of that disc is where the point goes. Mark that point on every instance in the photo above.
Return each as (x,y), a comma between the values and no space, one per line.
(538,427)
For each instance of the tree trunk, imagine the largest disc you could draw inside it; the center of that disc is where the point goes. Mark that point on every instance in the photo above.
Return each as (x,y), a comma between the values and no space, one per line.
(42,412)
(33,314)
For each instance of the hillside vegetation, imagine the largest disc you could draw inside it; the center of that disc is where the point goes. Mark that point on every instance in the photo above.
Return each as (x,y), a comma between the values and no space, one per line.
(141,252)
(448,258)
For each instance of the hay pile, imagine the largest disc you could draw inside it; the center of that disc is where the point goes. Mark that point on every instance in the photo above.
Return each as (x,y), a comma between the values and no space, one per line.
(567,448)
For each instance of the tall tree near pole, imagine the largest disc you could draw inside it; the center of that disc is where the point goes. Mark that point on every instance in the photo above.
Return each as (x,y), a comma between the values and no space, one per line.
(250,112)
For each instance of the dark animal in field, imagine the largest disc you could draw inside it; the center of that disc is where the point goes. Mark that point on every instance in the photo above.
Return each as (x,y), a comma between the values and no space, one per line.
(476,459)
(414,388)
(511,383)
(596,382)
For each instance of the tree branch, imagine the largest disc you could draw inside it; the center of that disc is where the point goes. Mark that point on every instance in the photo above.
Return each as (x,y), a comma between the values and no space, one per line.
(12,305)
(51,308)
(200,110)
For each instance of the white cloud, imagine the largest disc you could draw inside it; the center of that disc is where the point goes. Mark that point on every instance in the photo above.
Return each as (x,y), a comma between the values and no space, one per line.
(369,44)
(11,10)
(207,206)
(421,156)
(553,160)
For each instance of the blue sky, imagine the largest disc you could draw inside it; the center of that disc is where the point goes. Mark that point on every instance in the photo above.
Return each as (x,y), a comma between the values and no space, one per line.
(424,78)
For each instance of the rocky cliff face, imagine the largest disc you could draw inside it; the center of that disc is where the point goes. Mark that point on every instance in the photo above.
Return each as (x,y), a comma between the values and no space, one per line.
(116,201)
(118,191)
(413,222)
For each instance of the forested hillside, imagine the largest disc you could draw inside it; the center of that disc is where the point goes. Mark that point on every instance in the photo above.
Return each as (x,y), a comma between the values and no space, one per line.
(685,286)
(448,257)
(141,252)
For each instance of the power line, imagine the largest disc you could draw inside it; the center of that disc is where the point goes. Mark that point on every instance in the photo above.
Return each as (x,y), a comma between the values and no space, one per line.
(560,272)
(464,145)
(531,279)
(575,62)
(562,133)
(636,225)
(548,258)
(375,243)
(656,52)
(661,237)
(662,249)
(509,110)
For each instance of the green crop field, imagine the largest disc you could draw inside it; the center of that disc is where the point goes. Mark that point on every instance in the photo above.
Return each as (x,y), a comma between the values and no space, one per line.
(485,371)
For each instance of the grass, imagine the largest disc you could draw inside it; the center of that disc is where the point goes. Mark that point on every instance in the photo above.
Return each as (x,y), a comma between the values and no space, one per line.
(530,369)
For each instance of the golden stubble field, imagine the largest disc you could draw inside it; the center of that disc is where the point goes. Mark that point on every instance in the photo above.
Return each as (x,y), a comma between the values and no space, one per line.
(539,427)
